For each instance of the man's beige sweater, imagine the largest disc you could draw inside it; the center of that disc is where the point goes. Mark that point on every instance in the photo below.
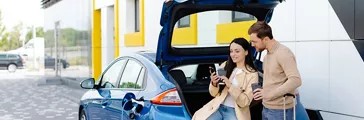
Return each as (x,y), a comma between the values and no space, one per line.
(281,76)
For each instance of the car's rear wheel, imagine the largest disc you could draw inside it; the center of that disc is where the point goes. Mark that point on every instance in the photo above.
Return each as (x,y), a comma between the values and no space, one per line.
(82,115)
(11,67)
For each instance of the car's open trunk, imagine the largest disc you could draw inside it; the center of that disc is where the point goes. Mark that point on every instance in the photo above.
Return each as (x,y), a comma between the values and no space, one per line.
(196,94)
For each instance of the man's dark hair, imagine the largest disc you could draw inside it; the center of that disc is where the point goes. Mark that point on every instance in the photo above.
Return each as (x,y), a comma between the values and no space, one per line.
(262,29)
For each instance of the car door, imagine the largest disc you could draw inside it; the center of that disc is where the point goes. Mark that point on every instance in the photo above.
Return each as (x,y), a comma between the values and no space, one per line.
(131,82)
(3,60)
(49,62)
(97,109)
(12,58)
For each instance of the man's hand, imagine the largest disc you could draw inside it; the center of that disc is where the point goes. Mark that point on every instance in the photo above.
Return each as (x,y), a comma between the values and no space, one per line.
(259,94)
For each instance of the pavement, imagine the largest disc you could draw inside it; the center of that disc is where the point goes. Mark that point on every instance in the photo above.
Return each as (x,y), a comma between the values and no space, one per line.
(26,95)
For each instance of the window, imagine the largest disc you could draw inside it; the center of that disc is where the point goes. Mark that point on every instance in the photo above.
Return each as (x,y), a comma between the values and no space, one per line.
(133,76)
(137,17)
(140,79)
(13,57)
(112,74)
(184,22)
(196,72)
(188,70)
(3,56)
(239,16)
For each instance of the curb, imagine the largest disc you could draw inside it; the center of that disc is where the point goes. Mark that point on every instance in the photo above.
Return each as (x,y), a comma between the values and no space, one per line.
(74,84)
(49,81)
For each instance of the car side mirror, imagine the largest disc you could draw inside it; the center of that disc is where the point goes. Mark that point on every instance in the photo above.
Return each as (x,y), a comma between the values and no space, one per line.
(88,83)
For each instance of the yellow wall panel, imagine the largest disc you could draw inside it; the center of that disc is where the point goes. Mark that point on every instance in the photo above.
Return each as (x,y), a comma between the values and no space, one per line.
(134,39)
(225,33)
(96,42)
(116,27)
(187,35)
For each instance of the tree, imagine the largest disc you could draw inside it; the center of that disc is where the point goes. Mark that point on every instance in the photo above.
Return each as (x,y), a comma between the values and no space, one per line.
(3,34)
(4,41)
(15,33)
(129,85)
(68,37)
(39,33)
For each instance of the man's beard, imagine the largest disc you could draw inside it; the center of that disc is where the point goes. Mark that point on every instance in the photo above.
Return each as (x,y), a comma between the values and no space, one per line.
(260,50)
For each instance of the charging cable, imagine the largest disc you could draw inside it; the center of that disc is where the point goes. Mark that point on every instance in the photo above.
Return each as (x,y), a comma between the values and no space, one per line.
(136,104)
(122,111)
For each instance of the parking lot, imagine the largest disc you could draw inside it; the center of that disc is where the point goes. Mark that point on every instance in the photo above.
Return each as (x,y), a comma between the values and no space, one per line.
(24,96)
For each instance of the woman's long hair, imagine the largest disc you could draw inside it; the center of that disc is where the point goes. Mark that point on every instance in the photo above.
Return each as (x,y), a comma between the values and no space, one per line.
(249,63)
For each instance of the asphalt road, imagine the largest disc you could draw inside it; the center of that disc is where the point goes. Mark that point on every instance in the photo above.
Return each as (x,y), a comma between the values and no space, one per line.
(21,98)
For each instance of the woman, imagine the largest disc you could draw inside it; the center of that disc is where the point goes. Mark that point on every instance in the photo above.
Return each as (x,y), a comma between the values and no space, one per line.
(233,101)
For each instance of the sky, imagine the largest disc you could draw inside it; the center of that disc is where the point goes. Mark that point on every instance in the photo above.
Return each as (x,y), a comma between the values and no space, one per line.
(27,11)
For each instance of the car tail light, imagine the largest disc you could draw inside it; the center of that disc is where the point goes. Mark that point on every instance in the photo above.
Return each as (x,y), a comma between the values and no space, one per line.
(169,97)
(22,60)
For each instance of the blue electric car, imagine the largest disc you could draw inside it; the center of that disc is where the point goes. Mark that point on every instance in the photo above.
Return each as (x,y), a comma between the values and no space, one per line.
(147,85)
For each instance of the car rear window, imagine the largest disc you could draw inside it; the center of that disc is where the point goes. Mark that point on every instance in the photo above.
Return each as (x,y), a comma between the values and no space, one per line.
(211,28)
(192,70)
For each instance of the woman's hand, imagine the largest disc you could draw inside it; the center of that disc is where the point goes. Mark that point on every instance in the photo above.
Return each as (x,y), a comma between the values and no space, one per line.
(214,78)
(226,81)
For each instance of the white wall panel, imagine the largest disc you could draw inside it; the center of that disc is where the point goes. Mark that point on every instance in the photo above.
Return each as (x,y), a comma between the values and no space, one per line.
(122,23)
(103,3)
(107,36)
(206,28)
(336,28)
(312,20)
(283,21)
(346,79)
(313,66)
(152,13)
(129,12)
(225,16)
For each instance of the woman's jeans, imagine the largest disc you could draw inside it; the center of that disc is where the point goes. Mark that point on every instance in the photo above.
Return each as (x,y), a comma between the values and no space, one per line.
(277,114)
(224,113)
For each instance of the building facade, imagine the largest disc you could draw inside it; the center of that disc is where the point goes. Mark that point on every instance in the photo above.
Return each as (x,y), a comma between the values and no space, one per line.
(325,38)
(133,25)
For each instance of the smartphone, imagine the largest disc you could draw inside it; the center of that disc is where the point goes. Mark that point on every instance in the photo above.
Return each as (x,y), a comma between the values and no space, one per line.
(212,70)
(255,86)
(221,72)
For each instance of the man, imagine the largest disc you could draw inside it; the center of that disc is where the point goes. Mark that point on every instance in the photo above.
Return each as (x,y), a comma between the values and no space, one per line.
(281,75)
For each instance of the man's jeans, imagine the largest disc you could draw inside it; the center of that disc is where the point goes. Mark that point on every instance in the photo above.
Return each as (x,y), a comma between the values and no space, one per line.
(224,113)
(275,114)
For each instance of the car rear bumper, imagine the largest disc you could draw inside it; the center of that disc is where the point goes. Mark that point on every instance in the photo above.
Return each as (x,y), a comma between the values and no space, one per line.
(166,112)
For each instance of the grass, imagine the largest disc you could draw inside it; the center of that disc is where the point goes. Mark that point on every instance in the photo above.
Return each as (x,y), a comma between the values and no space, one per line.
(78,61)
